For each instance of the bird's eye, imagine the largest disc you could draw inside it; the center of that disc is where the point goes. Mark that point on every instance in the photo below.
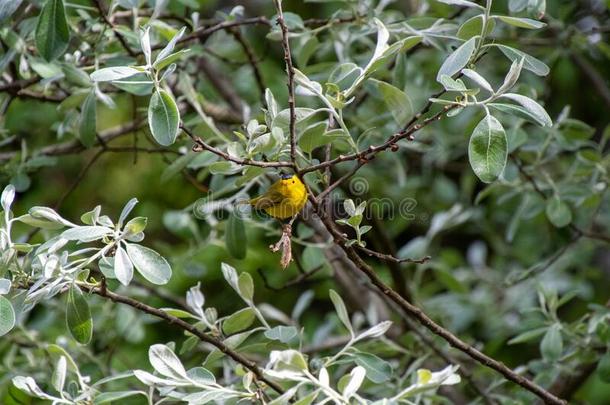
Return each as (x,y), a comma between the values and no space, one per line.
(292,181)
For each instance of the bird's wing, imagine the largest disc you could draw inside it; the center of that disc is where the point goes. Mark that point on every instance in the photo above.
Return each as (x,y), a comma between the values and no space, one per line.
(269,199)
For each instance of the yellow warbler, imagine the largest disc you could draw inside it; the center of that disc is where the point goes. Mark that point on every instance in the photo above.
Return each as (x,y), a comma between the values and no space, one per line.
(284,199)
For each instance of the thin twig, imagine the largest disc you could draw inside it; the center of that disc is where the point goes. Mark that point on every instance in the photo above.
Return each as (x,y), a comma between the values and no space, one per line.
(290,73)
(251,58)
(117,34)
(201,145)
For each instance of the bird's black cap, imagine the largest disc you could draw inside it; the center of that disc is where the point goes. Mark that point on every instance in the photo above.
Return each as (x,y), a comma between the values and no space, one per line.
(286,176)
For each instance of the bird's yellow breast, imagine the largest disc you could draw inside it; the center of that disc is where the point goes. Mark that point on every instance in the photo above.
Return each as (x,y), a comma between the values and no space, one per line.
(294,197)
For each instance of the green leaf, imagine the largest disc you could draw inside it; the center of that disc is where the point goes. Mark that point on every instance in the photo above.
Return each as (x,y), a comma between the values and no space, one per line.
(521,22)
(52,31)
(282,333)
(235,236)
(163,117)
(396,100)
(473,27)
(457,60)
(341,310)
(488,149)
(113,73)
(7,316)
(78,316)
(106,397)
(527,336)
(603,368)
(377,369)
(529,62)
(558,212)
(312,137)
(532,108)
(246,286)
(87,129)
(551,345)
(238,321)
(517,111)
(151,265)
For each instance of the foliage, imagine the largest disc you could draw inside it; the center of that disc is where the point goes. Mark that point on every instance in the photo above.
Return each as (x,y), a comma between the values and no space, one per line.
(457,218)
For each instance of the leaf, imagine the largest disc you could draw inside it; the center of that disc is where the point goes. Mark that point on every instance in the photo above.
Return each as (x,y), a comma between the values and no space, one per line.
(282,333)
(59,374)
(8,7)
(462,3)
(521,22)
(355,381)
(527,336)
(238,321)
(313,137)
(86,233)
(377,369)
(8,196)
(396,100)
(532,107)
(341,310)
(551,345)
(87,129)
(375,331)
(52,31)
(473,27)
(113,73)
(478,79)
(7,316)
(150,264)
(163,117)
(516,111)
(123,268)
(114,396)
(246,286)
(165,362)
(558,212)
(488,149)
(603,368)
(529,62)
(457,60)
(78,316)
(169,48)
(235,236)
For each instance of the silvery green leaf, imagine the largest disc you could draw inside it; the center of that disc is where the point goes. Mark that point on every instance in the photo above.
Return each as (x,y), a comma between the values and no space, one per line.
(59,374)
(530,63)
(324,378)
(238,321)
(230,274)
(304,81)
(349,207)
(532,107)
(5,286)
(302,303)
(341,310)
(150,379)
(201,375)
(462,3)
(355,381)
(512,76)
(551,345)
(383,35)
(135,226)
(126,210)
(87,129)
(451,84)
(29,386)
(113,73)
(123,268)
(8,196)
(86,233)
(396,100)
(7,316)
(168,72)
(150,264)
(90,218)
(195,299)
(478,79)
(458,59)
(246,286)
(521,22)
(49,214)
(145,44)
(558,212)
(282,333)
(375,331)
(488,149)
(115,396)
(8,7)
(166,363)
(169,48)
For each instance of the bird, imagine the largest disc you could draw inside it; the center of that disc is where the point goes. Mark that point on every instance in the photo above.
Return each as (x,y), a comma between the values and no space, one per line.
(284,199)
